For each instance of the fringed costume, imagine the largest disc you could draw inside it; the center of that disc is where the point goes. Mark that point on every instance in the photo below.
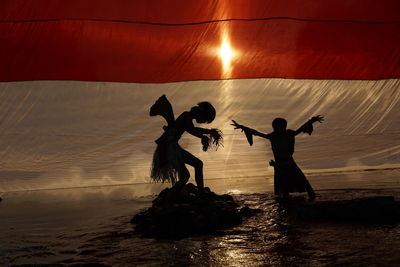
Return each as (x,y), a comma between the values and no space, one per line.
(169,158)
(166,165)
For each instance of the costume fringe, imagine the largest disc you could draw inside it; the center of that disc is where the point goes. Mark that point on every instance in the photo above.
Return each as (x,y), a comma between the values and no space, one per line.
(214,140)
(307,127)
(167,164)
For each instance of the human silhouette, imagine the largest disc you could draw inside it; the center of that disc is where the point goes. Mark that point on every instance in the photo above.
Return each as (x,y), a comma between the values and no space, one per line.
(169,160)
(288,177)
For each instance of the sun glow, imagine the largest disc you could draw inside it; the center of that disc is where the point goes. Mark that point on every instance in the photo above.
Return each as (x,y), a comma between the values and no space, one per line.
(226,52)
(227,55)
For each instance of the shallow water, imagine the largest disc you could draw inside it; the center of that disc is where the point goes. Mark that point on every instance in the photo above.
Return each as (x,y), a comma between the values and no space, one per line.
(79,226)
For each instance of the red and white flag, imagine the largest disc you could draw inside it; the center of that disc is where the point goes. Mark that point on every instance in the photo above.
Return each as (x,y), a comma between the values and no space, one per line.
(77,79)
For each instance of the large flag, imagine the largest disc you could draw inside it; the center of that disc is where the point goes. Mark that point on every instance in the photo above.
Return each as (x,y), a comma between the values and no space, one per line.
(179,40)
(77,79)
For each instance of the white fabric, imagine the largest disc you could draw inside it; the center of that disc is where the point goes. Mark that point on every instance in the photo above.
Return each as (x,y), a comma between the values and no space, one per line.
(57,134)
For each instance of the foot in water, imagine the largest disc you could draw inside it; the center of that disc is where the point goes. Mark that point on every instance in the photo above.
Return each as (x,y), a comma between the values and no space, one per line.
(311,197)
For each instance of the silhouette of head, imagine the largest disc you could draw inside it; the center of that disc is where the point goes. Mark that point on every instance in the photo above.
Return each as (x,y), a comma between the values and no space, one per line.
(279,125)
(204,112)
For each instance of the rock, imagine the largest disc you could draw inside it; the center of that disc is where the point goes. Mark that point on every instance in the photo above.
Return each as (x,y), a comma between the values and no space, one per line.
(382,209)
(176,215)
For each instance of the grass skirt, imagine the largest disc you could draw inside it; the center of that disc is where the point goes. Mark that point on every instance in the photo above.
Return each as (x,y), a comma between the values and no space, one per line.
(167,163)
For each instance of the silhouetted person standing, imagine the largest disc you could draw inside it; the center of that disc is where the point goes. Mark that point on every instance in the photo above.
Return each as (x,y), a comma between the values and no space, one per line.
(169,159)
(288,177)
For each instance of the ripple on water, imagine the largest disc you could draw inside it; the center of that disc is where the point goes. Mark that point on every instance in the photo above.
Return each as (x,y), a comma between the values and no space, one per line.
(271,238)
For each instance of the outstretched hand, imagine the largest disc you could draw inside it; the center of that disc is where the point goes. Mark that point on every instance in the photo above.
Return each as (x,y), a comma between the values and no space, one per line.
(318,118)
(213,139)
(205,141)
(237,125)
(248,132)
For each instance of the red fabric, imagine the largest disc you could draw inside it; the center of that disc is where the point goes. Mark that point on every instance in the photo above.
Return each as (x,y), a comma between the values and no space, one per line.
(96,40)
(188,11)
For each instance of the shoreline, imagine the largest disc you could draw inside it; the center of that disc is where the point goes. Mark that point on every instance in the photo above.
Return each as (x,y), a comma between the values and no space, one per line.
(377,178)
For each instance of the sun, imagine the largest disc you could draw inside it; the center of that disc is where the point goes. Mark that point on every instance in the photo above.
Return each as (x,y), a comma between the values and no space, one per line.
(226,53)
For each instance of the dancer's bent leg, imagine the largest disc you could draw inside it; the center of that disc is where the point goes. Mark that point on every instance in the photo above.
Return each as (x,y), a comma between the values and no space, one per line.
(197,164)
(183,178)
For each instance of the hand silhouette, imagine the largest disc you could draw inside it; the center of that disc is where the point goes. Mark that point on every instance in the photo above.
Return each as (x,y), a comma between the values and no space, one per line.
(237,125)
(205,141)
(318,118)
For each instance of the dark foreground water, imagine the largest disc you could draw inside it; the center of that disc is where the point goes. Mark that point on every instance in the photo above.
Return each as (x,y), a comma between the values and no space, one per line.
(59,228)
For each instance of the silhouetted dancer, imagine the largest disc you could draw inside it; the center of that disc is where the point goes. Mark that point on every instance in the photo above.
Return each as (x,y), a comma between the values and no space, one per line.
(288,177)
(169,158)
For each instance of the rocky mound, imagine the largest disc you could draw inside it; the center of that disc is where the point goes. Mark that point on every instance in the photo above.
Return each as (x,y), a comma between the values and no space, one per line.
(381,209)
(176,215)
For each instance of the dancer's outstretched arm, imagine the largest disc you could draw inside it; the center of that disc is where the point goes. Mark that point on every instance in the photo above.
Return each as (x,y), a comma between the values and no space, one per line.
(209,137)
(308,126)
(252,131)
(197,131)
(249,132)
